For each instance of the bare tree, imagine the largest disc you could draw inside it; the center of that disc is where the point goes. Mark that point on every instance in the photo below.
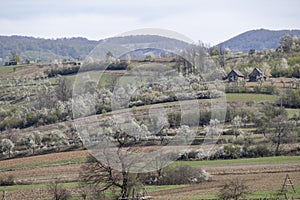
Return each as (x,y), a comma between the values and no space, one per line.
(57,191)
(97,171)
(221,57)
(236,124)
(234,189)
(286,43)
(282,131)
(192,60)
(14,57)
(64,89)
(213,129)
(32,140)
(7,146)
(58,139)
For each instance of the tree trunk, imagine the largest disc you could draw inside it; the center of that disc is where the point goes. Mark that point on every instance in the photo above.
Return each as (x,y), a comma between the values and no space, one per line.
(124,191)
(278,144)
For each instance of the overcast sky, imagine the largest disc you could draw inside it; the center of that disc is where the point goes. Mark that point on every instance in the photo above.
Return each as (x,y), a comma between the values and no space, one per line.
(211,21)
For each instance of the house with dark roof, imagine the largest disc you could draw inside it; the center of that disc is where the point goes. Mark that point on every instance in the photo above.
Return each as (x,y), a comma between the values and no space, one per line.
(235,75)
(256,74)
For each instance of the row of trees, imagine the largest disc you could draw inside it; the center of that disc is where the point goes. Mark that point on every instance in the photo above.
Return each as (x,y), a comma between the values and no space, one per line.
(37,140)
(289,43)
(279,129)
(48,103)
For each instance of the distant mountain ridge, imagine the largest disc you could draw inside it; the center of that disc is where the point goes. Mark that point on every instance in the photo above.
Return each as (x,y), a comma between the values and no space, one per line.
(65,48)
(45,49)
(257,39)
(72,48)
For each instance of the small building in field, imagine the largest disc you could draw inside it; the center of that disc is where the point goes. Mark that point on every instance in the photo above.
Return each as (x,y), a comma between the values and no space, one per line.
(235,75)
(10,63)
(256,74)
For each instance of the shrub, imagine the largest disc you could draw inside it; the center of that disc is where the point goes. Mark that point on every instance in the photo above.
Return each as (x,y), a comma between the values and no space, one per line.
(189,155)
(259,151)
(183,174)
(174,119)
(234,189)
(205,117)
(58,192)
(291,99)
(232,151)
(229,151)
(7,181)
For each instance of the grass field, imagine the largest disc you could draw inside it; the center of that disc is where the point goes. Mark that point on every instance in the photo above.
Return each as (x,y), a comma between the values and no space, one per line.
(277,193)
(77,184)
(264,160)
(245,97)
(60,158)
(22,70)
(35,186)
(274,194)
(292,112)
(6,70)
(44,164)
(257,195)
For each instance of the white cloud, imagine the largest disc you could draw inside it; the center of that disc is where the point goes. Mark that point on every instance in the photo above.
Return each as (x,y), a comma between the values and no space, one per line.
(91,26)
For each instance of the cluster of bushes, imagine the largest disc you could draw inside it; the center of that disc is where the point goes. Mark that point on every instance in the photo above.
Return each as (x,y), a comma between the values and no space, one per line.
(291,99)
(63,70)
(247,114)
(7,181)
(264,89)
(164,97)
(289,72)
(178,175)
(175,119)
(234,151)
(73,69)
(40,143)
(229,151)
(33,118)
(90,66)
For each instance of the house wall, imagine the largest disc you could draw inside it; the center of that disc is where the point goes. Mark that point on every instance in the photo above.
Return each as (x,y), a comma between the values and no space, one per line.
(232,77)
(253,76)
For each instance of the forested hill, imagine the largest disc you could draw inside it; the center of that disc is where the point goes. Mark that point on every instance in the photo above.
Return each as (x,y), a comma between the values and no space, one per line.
(65,48)
(257,39)
(50,49)
(45,49)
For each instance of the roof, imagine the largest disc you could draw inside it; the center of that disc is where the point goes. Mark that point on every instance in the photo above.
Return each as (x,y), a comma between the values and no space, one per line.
(258,70)
(238,73)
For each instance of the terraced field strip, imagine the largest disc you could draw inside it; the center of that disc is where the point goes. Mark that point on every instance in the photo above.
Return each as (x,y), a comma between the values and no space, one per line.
(264,160)
(63,158)
(44,164)
(151,188)
(246,97)
(274,194)
(35,186)
(292,112)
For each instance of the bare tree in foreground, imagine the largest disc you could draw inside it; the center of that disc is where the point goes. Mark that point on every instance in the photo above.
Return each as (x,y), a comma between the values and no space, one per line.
(282,131)
(102,173)
(58,192)
(234,189)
